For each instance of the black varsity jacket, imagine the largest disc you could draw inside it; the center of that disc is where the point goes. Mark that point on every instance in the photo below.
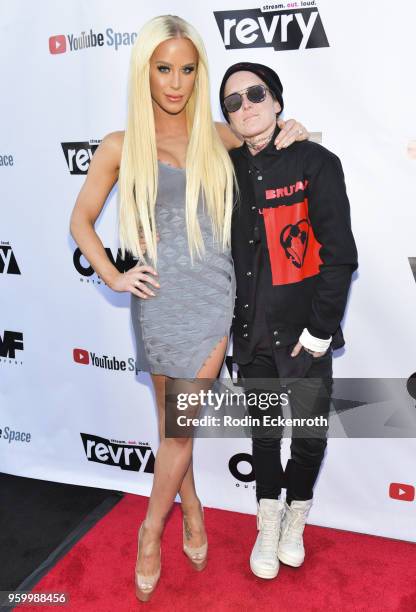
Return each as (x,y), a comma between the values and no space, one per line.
(295,200)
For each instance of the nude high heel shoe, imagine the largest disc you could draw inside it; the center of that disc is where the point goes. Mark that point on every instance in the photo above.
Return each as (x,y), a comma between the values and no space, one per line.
(145,585)
(197,556)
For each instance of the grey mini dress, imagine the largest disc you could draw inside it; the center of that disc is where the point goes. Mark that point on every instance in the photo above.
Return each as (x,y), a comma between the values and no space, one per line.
(177,329)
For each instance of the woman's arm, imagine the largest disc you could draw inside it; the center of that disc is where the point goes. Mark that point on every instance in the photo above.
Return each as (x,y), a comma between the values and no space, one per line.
(229,138)
(101,177)
(291,130)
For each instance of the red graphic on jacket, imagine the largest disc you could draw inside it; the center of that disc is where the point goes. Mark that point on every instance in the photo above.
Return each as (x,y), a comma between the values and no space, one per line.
(293,248)
(281,192)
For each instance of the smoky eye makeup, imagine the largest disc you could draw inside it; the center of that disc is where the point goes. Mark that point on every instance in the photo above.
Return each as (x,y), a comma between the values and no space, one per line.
(189,69)
(163,68)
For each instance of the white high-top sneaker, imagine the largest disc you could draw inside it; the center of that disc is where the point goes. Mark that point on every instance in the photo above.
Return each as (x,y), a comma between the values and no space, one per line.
(291,550)
(263,560)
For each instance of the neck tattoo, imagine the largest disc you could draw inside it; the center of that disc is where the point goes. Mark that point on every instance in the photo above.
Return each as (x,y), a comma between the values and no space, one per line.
(260,143)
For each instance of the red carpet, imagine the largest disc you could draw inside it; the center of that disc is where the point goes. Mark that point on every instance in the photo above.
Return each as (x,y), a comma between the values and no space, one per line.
(343,571)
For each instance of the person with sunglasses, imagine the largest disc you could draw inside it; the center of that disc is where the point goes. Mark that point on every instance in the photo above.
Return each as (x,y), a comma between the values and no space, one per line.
(294,254)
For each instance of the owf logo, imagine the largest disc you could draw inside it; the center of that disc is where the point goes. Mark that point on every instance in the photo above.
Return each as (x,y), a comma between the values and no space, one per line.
(282,25)
(10,342)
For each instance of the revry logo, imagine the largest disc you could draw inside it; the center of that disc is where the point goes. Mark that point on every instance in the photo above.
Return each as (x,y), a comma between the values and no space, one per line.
(132,457)
(275,26)
(8,263)
(78,156)
(412,262)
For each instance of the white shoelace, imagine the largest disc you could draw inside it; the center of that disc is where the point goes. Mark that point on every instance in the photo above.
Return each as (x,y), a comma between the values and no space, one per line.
(269,536)
(293,528)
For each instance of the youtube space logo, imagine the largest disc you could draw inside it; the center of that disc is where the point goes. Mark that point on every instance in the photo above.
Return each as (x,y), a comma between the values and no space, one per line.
(57,44)
(104,362)
(81,356)
(401,491)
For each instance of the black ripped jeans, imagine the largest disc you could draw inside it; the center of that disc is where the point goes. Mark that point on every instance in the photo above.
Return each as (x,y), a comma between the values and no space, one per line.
(309,392)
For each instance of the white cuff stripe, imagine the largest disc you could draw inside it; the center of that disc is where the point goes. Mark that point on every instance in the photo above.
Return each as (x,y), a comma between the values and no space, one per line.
(318,345)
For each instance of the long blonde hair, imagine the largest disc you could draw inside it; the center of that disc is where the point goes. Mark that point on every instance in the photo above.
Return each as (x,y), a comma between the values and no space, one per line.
(208,166)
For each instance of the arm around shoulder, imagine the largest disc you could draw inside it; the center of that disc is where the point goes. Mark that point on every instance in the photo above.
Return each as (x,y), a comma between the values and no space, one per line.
(229,139)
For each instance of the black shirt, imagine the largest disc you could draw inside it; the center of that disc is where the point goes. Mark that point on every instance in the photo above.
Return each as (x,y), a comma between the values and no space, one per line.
(296,198)
(260,340)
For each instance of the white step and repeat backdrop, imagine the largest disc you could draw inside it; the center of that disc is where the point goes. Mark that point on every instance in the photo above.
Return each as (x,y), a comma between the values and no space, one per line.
(73,408)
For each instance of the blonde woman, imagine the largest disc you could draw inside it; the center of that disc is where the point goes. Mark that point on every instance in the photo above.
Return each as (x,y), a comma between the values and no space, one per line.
(175,188)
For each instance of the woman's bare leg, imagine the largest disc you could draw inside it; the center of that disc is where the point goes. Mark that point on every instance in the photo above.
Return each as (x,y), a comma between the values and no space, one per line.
(191,506)
(172,464)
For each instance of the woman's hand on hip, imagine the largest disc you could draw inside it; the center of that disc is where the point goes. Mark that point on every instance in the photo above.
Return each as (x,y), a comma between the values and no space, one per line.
(135,279)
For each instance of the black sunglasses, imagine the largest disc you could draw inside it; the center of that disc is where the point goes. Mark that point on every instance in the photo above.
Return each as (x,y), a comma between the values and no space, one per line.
(255,94)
